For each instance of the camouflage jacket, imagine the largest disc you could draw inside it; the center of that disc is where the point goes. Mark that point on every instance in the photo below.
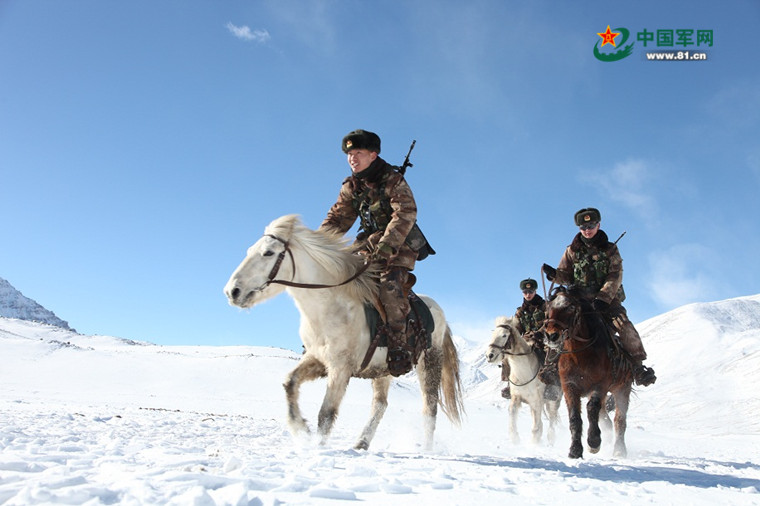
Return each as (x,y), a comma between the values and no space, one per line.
(387,211)
(594,268)
(531,314)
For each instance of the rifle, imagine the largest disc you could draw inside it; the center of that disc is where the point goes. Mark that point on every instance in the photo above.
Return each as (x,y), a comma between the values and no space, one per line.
(407,163)
(621,236)
(416,239)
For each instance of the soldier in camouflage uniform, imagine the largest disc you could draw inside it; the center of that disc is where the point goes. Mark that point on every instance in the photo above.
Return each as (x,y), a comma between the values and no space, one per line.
(531,315)
(593,267)
(378,195)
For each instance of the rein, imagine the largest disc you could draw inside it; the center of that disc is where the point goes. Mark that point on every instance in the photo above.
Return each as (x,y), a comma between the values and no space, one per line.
(566,332)
(281,257)
(503,349)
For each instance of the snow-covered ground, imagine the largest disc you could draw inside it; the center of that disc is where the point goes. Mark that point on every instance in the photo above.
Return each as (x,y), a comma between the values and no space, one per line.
(98,420)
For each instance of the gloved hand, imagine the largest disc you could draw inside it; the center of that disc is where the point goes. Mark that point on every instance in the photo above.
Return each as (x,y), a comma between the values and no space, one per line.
(549,271)
(382,253)
(600,306)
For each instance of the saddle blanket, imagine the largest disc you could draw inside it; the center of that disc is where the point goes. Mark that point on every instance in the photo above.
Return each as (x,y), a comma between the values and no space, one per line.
(419,317)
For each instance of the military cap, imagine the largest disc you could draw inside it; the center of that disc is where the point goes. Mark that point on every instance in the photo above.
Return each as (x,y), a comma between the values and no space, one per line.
(528,284)
(361,139)
(587,215)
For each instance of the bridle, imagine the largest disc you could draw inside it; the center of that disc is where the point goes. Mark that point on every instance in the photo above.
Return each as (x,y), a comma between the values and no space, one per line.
(278,263)
(280,258)
(503,350)
(569,331)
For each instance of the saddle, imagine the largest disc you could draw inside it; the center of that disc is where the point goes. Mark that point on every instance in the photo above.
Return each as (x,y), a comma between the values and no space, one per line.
(419,329)
(620,358)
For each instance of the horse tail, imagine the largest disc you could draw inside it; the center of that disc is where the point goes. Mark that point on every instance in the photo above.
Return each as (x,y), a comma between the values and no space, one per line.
(451,383)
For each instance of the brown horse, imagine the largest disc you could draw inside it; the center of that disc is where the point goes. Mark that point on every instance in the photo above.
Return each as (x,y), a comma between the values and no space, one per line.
(588,367)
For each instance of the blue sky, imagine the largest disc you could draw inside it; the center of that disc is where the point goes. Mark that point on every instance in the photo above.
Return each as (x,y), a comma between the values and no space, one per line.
(145,145)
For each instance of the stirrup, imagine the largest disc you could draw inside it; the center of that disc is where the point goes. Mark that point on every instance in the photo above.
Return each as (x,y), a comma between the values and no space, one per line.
(399,362)
(644,376)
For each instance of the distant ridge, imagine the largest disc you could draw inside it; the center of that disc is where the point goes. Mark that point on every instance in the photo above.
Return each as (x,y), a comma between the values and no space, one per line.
(13,304)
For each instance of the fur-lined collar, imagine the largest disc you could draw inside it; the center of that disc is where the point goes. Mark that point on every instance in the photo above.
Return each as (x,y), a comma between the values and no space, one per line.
(537,301)
(599,241)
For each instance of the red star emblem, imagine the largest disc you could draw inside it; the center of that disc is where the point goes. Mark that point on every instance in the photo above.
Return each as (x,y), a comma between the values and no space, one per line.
(608,37)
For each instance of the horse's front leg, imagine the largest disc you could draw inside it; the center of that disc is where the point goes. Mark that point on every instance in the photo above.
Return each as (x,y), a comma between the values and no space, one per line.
(380,388)
(514,409)
(429,372)
(594,433)
(573,401)
(538,424)
(308,369)
(337,382)
(621,423)
(552,408)
(605,423)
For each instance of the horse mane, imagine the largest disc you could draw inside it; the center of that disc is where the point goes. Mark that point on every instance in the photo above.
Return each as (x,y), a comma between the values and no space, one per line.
(332,252)
(508,321)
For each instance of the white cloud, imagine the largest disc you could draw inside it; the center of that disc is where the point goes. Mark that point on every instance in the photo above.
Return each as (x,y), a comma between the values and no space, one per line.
(628,183)
(683,274)
(736,105)
(245,33)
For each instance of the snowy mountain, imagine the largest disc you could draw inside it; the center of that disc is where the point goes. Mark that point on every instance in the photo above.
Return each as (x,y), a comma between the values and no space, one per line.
(13,304)
(100,420)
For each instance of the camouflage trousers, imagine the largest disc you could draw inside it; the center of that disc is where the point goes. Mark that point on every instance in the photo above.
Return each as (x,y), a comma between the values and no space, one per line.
(629,336)
(394,300)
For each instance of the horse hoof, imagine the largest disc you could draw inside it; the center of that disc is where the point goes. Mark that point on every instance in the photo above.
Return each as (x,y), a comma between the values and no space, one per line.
(575,452)
(594,450)
(361,445)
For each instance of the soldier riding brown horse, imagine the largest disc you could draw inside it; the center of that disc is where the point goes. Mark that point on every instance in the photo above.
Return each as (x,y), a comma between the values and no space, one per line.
(589,366)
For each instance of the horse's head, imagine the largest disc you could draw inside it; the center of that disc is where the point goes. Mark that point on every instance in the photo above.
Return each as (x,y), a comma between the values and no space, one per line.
(502,338)
(561,314)
(265,261)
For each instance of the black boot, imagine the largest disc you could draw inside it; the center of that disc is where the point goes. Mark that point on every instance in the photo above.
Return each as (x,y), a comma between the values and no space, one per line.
(643,375)
(549,374)
(552,393)
(399,361)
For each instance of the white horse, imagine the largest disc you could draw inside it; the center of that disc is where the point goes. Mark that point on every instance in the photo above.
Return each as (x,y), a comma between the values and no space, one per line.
(506,341)
(326,281)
